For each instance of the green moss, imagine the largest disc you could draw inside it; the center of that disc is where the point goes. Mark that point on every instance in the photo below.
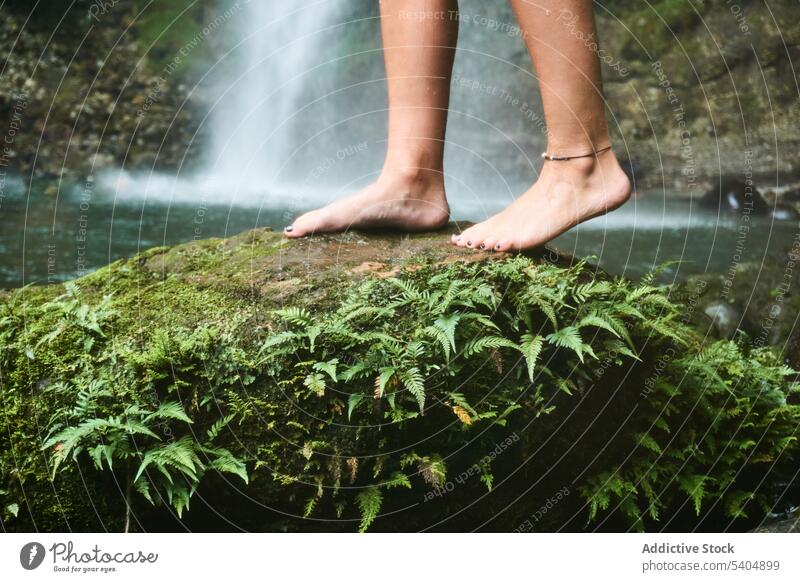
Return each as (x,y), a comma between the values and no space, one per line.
(659,27)
(349,394)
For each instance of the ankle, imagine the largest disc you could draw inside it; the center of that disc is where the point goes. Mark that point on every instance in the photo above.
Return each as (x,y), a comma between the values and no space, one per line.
(584,167)
(414,180)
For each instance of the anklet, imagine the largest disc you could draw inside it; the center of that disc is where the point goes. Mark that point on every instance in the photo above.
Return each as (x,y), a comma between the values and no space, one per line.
(548,157)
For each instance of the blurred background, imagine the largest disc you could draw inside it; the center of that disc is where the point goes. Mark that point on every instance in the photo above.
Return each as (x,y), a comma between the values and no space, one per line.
(128,125)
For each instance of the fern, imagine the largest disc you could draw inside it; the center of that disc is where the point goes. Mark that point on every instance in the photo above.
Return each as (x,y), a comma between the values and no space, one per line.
(570,338)
(478,345)
(414,382)
(369,503)
(531,347)
(694,486)
(139,405)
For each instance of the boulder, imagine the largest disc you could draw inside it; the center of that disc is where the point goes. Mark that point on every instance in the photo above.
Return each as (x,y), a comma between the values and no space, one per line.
(384,382)
(724,317)
(731,194)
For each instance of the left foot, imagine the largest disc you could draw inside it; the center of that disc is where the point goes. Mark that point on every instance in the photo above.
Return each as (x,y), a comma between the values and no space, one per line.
(566,194)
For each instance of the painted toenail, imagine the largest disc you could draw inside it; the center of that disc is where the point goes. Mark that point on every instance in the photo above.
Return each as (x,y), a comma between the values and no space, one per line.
(497,247)
(469,243)
(289,229)
(483,246)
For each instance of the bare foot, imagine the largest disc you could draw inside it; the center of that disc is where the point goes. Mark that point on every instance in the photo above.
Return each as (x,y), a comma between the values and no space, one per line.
(406,200)
(567,193)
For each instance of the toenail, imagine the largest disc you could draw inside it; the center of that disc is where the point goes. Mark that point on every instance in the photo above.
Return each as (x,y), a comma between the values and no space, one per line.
(469,243)
(497,247)
(483,246)
(289,229)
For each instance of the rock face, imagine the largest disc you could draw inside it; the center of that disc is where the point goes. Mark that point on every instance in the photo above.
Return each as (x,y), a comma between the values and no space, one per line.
(378,382)
(77,98)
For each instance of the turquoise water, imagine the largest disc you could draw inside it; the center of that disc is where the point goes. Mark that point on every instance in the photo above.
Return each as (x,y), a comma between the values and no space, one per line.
(49,237)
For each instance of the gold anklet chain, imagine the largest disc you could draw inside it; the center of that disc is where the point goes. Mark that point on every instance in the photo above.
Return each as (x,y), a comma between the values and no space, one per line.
(550,158)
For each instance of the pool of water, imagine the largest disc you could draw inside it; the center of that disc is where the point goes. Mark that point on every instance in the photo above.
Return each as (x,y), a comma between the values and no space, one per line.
(51,235)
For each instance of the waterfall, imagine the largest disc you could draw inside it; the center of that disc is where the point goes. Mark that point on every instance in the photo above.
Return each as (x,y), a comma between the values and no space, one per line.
(256,116)
(299,110)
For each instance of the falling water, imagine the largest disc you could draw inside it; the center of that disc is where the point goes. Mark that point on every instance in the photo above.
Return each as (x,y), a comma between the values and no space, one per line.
(299,115)
(257,115)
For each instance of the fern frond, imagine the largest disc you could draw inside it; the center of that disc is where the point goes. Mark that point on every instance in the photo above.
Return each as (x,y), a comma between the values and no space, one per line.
(531,347)
(414,382)
(369,503)
(570,338)
(462,414)
(476,346)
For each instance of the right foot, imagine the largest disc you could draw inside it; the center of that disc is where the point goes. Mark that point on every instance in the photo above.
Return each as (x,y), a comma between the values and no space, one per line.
(409,201)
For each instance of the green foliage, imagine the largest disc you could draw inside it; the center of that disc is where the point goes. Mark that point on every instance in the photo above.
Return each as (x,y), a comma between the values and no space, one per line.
(306,401)
(98,412)
(369,503)
(729,405)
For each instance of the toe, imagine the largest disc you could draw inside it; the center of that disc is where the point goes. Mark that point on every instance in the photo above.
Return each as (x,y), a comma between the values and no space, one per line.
(303,226)
(477,236)
(504,244)
(488,243)
(479,239)
(466,238)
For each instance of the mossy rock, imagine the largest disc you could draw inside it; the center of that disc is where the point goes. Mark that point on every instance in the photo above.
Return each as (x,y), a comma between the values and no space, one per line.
(382,382)
(763,298)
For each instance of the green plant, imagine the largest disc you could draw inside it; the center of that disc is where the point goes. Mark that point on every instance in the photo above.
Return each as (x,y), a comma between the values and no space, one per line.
(361,396)
(150,464)
(410,340)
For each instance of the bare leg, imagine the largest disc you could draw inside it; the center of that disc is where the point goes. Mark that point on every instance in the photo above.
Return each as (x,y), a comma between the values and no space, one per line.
(419,38)
(567,192)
